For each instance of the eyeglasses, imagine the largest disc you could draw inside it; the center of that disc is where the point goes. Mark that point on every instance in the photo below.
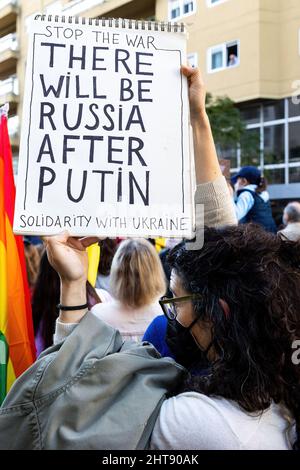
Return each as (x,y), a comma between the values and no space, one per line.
(168,305)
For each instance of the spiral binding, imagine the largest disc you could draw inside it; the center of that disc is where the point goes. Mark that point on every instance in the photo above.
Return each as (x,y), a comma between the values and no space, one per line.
(117,23)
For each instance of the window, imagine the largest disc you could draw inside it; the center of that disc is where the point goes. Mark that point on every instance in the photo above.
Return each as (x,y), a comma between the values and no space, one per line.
(278,123)
(175,9)
(175,13)
(217,59)
(232,54)
(179,8)
(294,175)
(188,7)
(294,141)
(274,144)
(274,110)
(193,59)
(223,56)
(250,152)
(251,114)
(274,176)
(213,3)
(294,107)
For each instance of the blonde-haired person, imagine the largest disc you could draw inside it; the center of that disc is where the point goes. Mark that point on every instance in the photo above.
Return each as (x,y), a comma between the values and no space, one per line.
(137,282)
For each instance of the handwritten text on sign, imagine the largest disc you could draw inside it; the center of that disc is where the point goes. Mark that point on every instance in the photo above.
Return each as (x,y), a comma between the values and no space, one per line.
(106,135)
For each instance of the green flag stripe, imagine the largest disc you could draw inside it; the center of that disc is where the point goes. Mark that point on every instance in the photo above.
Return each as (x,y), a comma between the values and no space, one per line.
(3,366)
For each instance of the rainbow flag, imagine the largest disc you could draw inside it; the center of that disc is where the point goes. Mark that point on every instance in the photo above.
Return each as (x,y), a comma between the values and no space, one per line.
(17,349)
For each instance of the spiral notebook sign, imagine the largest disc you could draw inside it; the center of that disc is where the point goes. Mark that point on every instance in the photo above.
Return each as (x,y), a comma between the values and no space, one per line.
(105,136)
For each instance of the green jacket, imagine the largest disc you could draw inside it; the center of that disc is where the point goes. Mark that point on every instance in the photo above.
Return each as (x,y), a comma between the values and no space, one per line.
(92,391)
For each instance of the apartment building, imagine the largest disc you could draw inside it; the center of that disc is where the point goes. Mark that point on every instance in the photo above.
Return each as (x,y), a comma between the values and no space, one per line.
(248,50)
(9,55)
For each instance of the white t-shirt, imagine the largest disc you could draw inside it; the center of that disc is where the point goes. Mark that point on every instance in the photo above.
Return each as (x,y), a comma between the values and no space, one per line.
(131,322)
(194,421)
(104,295)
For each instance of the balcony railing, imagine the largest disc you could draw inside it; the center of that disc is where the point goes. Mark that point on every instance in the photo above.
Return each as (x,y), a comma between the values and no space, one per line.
(9,43)
(5,3)
(9,87)
(76,7)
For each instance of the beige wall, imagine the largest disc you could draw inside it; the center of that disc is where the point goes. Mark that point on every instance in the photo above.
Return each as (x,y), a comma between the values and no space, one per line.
(268,35)
(232,20)
(289,45)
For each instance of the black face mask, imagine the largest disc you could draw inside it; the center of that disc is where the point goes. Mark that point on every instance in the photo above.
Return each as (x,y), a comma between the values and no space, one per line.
(184,347)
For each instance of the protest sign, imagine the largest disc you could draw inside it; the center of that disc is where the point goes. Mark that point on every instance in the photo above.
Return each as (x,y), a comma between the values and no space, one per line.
(105,144)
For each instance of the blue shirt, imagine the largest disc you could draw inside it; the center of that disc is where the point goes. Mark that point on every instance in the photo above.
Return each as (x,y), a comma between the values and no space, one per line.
(245,201)
(156,335)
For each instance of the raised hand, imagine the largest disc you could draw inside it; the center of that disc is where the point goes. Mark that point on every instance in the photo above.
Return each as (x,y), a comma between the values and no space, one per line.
(197,92)
(68,256)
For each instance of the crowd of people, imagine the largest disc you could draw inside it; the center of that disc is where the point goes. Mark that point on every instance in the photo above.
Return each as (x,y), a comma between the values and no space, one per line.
(183,349)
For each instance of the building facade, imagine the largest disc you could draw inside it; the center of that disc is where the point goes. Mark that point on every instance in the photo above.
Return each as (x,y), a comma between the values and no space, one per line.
(9,57)
(248,50)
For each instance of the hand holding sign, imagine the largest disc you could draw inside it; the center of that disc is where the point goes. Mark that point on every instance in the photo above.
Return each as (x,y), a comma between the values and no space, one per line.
(197,92)
(68,256)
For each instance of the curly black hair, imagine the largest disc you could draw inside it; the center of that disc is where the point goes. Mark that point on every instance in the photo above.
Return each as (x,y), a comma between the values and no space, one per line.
(258,275)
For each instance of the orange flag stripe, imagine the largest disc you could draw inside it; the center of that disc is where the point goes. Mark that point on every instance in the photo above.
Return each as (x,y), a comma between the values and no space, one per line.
(15,308)
(9,203)
(17,334)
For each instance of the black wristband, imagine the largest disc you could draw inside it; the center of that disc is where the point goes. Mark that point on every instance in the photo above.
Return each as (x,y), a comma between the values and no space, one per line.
(73,307)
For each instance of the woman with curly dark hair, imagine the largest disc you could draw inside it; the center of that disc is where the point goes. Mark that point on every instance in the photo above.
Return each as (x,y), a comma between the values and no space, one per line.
(232,322)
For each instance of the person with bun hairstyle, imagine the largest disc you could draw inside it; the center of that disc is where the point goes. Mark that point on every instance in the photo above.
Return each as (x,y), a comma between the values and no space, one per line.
(253,200)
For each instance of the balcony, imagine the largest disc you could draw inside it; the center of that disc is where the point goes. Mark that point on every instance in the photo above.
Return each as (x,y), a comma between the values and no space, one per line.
(77,7)
(8,55)
(111,8)
(8,13)
(9,93)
